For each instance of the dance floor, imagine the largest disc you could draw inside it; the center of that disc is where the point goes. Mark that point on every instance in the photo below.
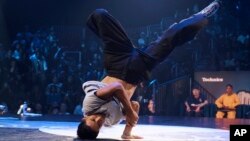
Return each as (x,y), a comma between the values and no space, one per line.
(52,128)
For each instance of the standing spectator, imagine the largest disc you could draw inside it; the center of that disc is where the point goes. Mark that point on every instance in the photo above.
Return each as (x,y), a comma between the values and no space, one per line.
(39,62)
(227,103)
(195,103)
(78,110)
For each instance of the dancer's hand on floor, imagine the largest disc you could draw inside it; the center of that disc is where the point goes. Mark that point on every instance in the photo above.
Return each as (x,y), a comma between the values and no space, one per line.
(131,137)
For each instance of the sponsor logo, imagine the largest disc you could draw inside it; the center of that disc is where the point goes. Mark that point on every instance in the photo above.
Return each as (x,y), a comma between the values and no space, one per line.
(211,79)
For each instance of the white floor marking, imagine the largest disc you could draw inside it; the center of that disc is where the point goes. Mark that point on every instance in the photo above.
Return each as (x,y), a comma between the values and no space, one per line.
(149,132)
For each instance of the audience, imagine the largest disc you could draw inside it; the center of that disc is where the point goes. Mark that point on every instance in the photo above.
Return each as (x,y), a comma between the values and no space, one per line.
(35,58)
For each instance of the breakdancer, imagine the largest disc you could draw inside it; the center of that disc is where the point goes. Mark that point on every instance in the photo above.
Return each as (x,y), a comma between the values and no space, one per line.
(107,102)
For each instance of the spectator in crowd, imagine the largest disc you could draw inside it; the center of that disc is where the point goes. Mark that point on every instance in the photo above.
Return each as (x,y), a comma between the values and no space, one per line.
(17,54)
(143,95)
(54,109)
(195,104)
(37,99)
(68,101)
(2,52)
(38,108)
(142,41)
(63,109)
(70,86)
(227,103)
(78,109)
(243,38)
(3,108)
(151,107)
(54,95)
(39,62)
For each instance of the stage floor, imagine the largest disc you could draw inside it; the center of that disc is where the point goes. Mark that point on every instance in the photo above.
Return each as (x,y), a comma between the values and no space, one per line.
(63,128)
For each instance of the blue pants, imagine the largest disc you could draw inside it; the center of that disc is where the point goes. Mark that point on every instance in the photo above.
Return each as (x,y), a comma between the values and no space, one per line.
(122,60)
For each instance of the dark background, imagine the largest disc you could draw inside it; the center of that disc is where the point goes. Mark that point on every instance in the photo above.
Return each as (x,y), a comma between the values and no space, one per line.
(132,13)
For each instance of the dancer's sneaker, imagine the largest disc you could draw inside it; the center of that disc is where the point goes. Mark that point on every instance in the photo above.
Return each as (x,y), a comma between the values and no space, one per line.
(211,9)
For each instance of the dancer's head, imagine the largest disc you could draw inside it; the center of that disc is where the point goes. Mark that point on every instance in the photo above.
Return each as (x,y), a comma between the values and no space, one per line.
(90,126)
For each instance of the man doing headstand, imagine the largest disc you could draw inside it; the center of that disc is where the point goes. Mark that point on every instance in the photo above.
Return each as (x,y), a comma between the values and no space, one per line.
(108,102)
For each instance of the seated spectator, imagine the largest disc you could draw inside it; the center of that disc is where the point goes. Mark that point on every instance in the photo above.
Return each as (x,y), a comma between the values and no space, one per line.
(78,110)
(54,95)
(244,97)
(63,109)
(195,103)
(151,107)
(3,108)
(7,96)
(54,109)
(227,103)
(37,98)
